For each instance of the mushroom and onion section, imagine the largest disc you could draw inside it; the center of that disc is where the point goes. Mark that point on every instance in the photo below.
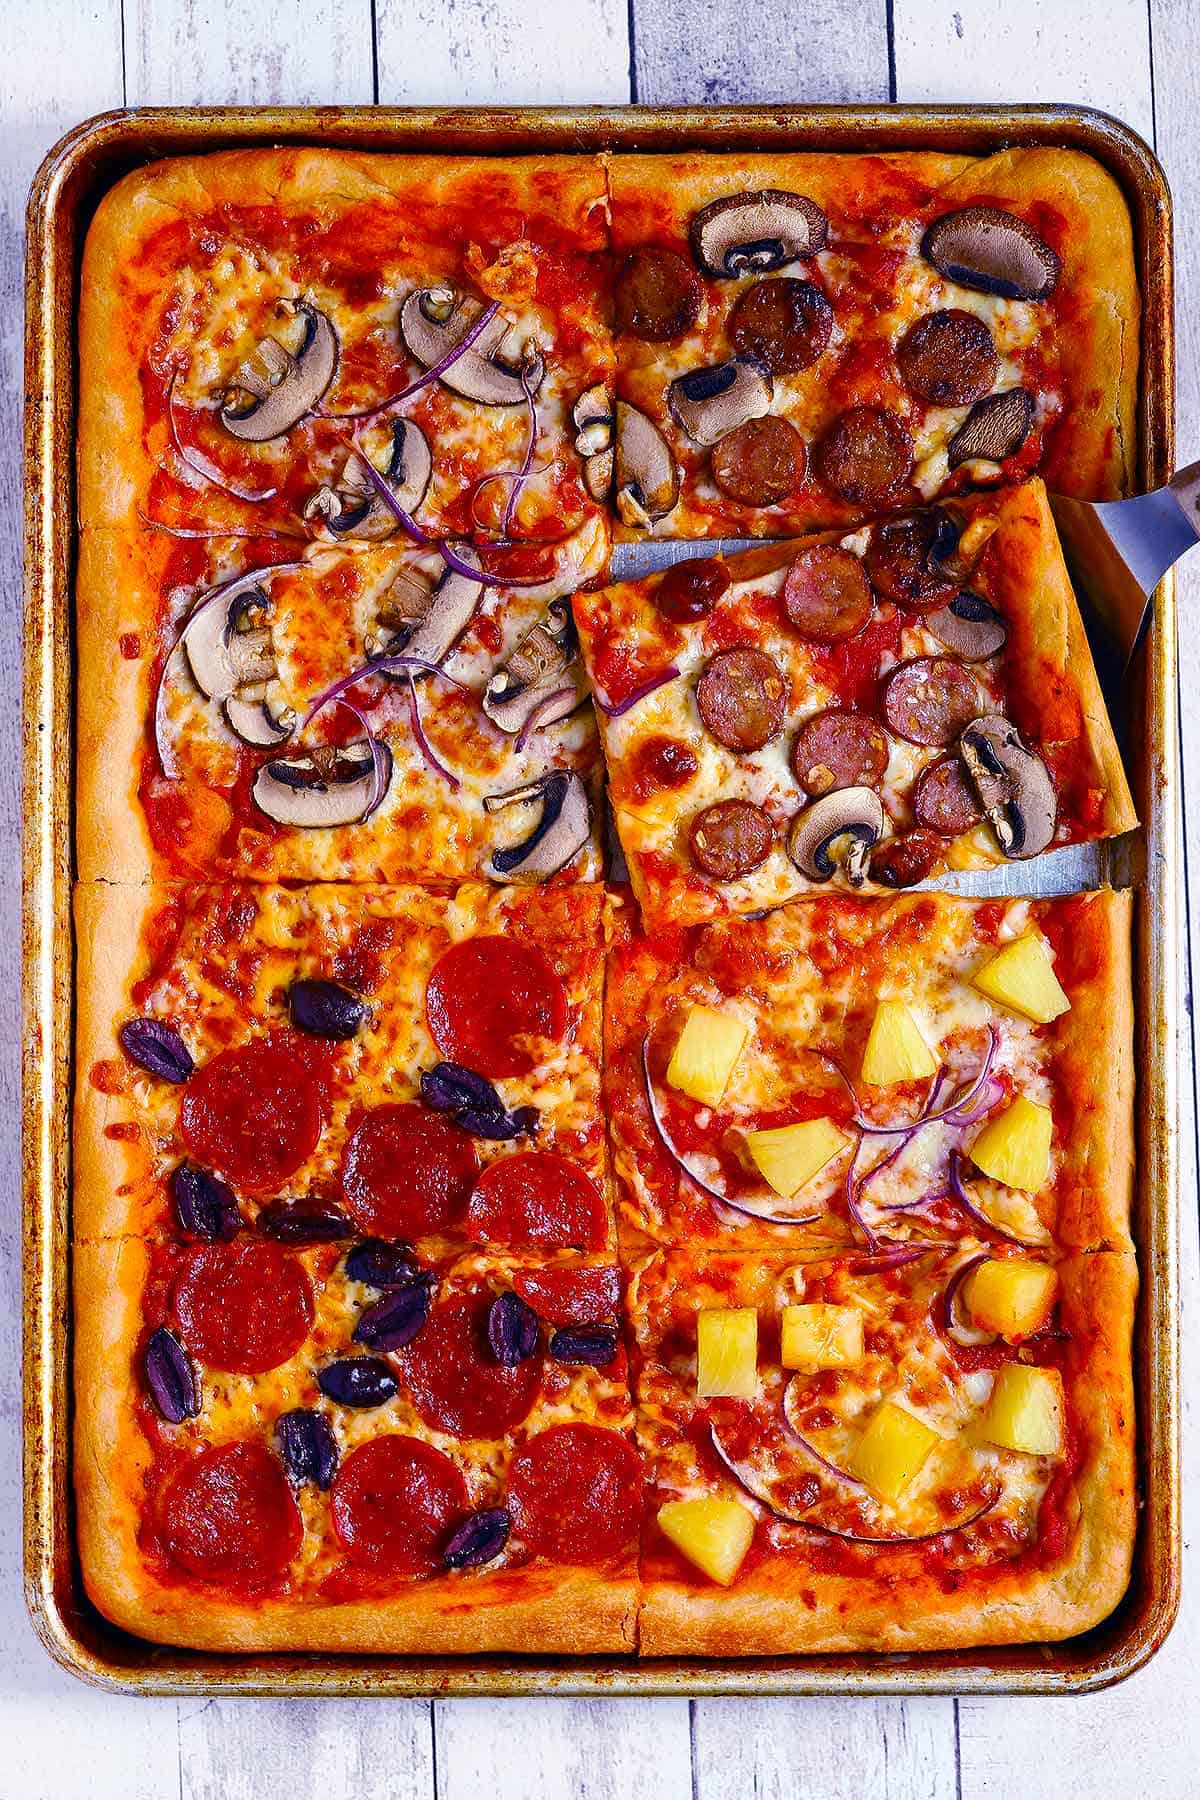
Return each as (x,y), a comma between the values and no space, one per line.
(862,711)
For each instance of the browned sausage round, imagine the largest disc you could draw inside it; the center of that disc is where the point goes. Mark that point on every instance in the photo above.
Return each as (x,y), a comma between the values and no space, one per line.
(901,861)
(760,462)
(730,839)
(865,455)
(657,295)
(903,560)
(930,699)
(782,322)
(837,749)
(826,594)
(689,590)
(742,697)
(948,359)
(944,799)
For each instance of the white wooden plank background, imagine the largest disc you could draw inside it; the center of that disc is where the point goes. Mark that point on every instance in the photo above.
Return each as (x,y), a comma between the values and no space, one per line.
(64,60)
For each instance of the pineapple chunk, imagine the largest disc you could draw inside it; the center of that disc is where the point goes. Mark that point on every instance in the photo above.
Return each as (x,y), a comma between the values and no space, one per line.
(896,1050)
(1025,1411)
(713,1534)
(702,1061)
(1014,1147)
(891,1450)
(727,1353)
(1021,976)
(789,1155)
(1011,1295)
(821,1337)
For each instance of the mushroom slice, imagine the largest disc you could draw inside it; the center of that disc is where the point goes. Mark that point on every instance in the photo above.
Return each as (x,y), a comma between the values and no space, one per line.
(427,620)
(432,320)
(329,785)
(1014,786)
(544,664)
(839,830)
(598,475)
(258,721)
(710,403)
(750,233)
(224,646)
(559,835)
(993,252)
(970,626)
(993,429)
(646,474)
(282,385)
(355,510)
(592,414)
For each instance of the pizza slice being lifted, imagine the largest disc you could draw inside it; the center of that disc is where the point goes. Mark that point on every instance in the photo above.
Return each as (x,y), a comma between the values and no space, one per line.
(864,710)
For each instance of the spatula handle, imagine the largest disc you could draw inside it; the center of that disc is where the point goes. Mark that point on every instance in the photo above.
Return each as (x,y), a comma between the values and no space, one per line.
(1186,488)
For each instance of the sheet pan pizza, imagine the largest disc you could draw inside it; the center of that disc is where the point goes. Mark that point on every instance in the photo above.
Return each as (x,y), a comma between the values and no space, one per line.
(473,1252)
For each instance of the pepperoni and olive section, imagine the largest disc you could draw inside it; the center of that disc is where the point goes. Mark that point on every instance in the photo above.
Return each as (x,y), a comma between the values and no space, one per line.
(253,1113)
(495,1005)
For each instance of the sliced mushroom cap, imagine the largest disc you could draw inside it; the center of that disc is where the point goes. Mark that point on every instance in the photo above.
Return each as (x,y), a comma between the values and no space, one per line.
(427,621)
(560,833)
(544,665)
(355,509)
(993,429)
(433,320)
(1014,786)
(593,416)
(839,830)
(326,786)
(750,233)
(993,252)
(259,722)
(282,386)
(970,626)
(223,649)
(710,403)
(646,474)
(598,474)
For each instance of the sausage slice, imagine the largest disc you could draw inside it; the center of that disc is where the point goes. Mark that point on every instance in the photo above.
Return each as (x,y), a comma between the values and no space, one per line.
(657,295)
(760,462)
(742,697)
(904,560)
(826,594)
(837,749)
(948,359)
(930,699)
(865,455)
(784,323)
(730,839)
(944,800)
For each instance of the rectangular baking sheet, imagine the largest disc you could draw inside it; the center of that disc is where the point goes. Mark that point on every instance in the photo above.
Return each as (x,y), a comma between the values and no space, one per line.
(71,181)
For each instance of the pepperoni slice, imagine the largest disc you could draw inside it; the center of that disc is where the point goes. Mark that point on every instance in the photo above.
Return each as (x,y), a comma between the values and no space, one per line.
(837,749)
(456,1383)
(944,800)
(900,861)
(244,1307)
(865,455)
(730,839)
(929,700)
(784,323)
(826,594)
(760,462)
(570,1296)
(742,697)
(393,1501)
(486,997)
(689,590)
(407,1171)
(948,359)
(575,1494)
(661,762)
(228,1517)
(253,1113)
(537,1201)
(904,560)
(657,295)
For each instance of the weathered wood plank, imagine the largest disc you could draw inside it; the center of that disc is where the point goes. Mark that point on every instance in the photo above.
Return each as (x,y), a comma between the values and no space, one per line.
(1089,52)
(839,1749)
(305,1750)
(455,52)
(562,1749)
(249,52)
(823,50)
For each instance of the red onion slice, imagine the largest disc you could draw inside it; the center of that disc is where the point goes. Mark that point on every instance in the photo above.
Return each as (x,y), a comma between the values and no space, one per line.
(676,1155)
(200,465)
(748,1481)
(947,1318)
(204,534)
(809,1448)
(889,1255)
(378,772)
(962,1103)
(976,1212)
(379,665)
(433,373)
(514,492)
(615,711)
(539,712)
(423,744)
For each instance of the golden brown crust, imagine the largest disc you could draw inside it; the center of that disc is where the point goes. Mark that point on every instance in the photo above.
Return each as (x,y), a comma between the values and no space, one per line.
(791,1605)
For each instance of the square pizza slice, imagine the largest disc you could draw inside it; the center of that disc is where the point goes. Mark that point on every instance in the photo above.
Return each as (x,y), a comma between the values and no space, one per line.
(879,1080)
(809,339)
(865,709)
(316,1064)
(313,1448)
(367,366)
